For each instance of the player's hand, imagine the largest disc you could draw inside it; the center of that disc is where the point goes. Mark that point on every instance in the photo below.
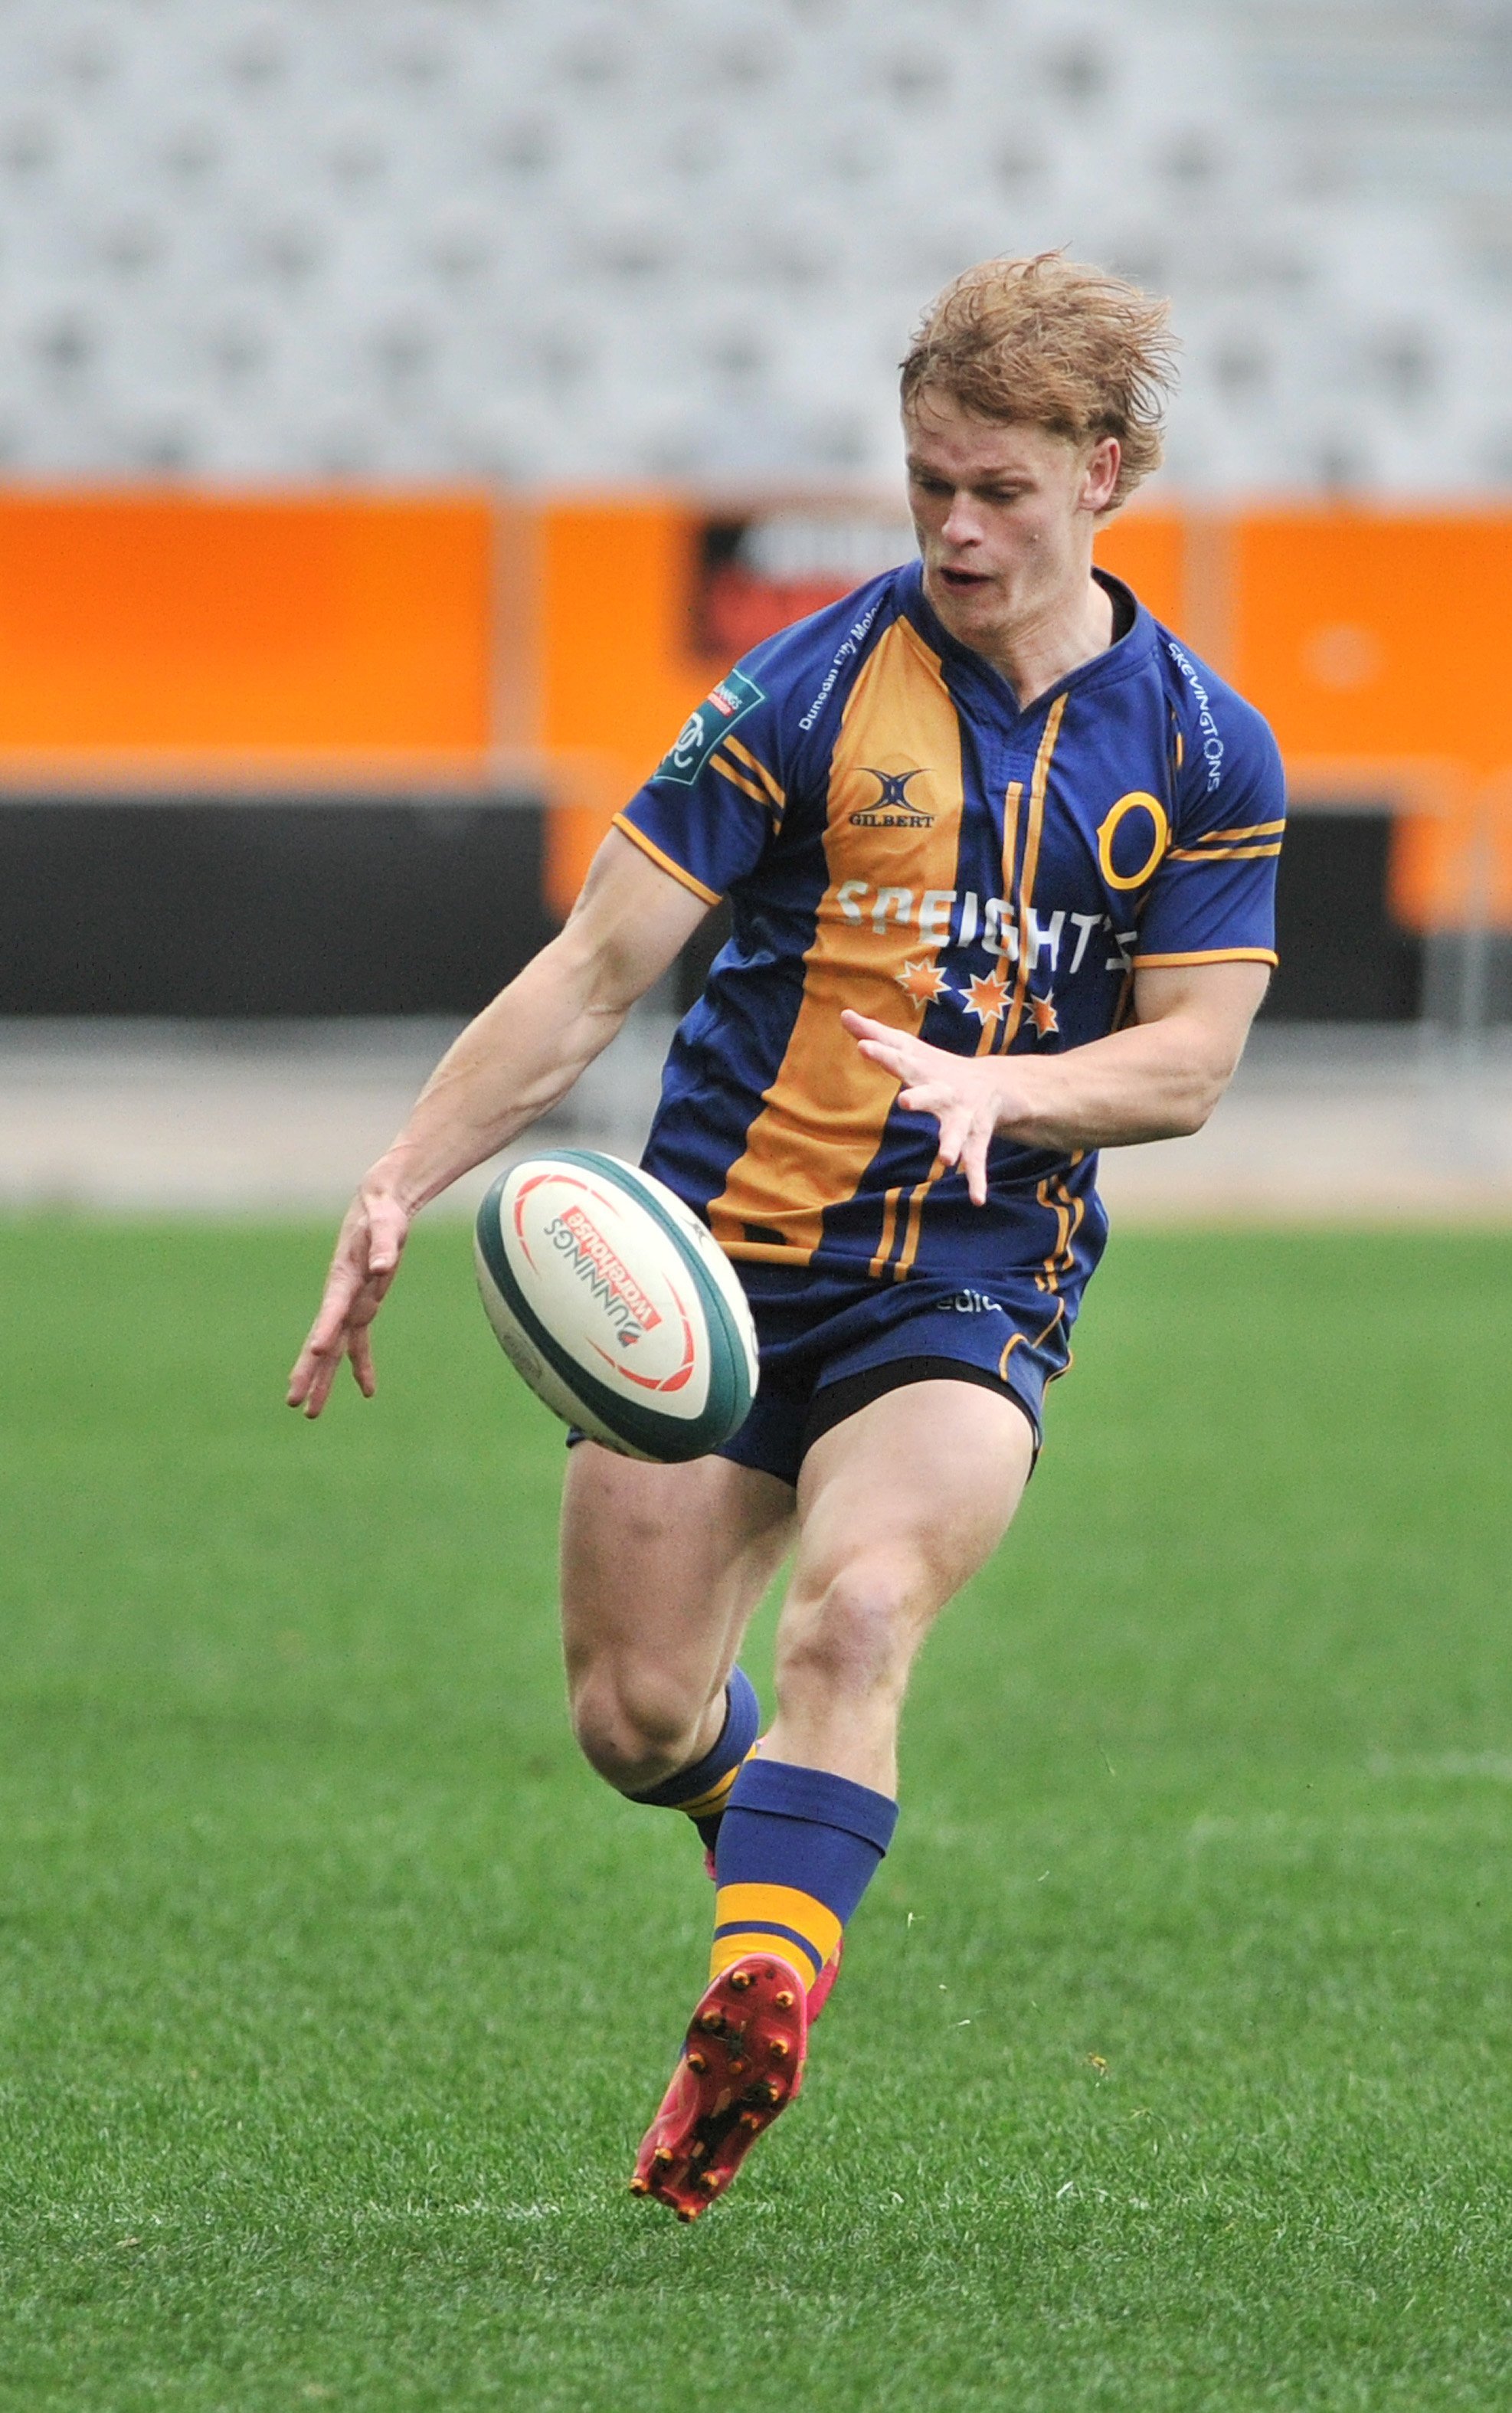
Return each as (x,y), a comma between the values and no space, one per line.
(367,1259)
(967,1095)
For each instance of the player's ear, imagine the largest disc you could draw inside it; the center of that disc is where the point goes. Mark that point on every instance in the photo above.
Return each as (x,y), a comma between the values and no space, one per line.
(1100,477)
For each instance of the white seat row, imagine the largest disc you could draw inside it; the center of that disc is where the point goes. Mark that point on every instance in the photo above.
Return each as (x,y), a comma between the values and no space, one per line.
(248,238)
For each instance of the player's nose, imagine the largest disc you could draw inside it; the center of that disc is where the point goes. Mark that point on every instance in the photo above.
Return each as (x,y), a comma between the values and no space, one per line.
(959,526)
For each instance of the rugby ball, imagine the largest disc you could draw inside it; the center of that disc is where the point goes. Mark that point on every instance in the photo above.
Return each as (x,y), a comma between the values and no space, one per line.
(611,1300)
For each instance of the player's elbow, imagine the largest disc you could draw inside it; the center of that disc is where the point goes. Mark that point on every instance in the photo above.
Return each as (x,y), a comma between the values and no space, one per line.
(1202,1079)
(1186,1120)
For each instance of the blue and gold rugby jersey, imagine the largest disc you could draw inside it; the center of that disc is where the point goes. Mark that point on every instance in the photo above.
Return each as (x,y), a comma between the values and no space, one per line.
(895,835)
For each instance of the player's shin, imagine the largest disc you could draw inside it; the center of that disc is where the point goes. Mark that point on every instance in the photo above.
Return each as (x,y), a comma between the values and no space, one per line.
(796,1851)
(701,1791)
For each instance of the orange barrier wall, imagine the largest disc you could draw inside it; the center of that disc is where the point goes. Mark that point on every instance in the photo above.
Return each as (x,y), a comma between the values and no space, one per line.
(363,637)
(616,675)
(1373,643)
(198,625)
(1374,635)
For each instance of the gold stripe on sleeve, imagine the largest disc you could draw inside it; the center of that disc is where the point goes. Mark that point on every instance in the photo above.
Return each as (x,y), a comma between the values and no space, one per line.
(1207,955)
(739,779)
(1232,836)
(743,754)
(648,846)
(1220,854)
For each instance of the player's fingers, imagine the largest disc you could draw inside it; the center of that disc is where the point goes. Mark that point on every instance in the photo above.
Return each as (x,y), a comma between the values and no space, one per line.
(343,1283)
(360,1350)
(974,1158)
(315,1388)
(960,1139)
(303,1373)
(930,1098)
(974,1166)
(897,1051)
(954,1132)
(865,1026)
(889,1056)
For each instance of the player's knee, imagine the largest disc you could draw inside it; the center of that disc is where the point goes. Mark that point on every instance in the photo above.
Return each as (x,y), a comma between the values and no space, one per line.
(855,1638)
(633,1726)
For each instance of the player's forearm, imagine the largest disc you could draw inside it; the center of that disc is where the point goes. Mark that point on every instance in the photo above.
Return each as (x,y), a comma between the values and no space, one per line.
(516,1060)
(1156,1080)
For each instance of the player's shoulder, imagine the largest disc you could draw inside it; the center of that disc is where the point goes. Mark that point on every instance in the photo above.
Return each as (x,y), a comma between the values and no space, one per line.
(811,663)
(785,695)
(1223,740)
(1204,702)
(782,697)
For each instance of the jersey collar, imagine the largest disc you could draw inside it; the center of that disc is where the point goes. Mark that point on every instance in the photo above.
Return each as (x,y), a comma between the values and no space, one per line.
(1124,655)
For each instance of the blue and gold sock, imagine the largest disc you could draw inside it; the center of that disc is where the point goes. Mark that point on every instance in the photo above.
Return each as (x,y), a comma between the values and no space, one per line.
(701,1792)
(796,1852)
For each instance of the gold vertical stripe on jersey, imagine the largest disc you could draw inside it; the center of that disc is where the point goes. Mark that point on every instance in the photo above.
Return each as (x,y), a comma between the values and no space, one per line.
(1046,1280)
(1068,1210)
(913,1229)
(910,1249)
(1010,853)
(823,1117)
(885,1246)
(1024,894)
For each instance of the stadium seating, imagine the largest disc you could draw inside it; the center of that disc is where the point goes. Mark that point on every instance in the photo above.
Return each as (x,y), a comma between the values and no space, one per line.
(674,240)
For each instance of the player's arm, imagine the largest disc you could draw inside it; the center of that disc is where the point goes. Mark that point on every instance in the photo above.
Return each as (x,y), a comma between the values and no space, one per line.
(513,1063)
(1158,1078)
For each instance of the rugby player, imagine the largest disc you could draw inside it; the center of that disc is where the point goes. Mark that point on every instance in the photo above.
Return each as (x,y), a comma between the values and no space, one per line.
(1001,854)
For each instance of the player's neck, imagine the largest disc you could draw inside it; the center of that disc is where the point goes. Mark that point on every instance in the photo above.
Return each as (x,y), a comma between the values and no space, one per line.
(1054,638)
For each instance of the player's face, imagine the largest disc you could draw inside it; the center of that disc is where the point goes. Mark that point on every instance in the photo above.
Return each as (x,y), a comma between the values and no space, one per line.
(1004,516)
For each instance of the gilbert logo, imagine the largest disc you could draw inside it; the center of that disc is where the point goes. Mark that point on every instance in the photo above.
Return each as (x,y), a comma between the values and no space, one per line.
(597,1265)
(891,808)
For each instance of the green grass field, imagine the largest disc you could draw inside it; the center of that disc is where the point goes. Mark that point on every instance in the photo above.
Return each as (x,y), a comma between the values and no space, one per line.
(1172,2065)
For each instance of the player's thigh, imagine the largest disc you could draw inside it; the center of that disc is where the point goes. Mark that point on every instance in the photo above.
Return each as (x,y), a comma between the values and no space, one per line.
(899,1505)
(665,1565)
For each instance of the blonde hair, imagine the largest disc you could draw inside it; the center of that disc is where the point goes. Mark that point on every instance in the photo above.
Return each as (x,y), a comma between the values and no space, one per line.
(1051,343)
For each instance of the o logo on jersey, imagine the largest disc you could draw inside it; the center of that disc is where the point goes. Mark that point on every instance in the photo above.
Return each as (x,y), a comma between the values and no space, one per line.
(1136,801)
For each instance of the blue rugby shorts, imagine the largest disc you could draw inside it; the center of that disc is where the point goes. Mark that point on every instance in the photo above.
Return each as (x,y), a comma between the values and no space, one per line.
(831,1341)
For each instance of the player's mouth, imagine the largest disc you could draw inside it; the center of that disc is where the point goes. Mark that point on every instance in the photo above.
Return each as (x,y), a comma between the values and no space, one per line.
(961,581)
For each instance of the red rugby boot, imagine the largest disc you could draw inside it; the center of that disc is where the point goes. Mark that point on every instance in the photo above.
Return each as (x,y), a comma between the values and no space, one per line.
(742,2064)
(823,1985)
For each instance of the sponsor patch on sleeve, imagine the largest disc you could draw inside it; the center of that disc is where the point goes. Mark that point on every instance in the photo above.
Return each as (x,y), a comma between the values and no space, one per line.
(702,731)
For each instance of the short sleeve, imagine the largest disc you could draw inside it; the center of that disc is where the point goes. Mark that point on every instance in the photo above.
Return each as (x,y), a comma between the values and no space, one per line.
(1214,899)
(716,798)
